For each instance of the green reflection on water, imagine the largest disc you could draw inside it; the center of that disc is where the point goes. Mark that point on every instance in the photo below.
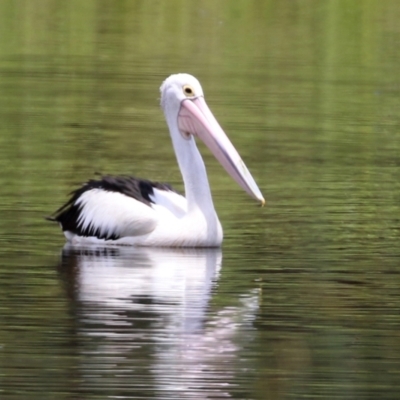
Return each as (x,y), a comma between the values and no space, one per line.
(309,93)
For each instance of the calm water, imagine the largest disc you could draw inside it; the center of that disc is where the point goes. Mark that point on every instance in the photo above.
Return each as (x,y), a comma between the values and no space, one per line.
(303,299)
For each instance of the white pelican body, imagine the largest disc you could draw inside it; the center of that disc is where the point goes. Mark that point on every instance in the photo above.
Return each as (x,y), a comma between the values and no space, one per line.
(131,211)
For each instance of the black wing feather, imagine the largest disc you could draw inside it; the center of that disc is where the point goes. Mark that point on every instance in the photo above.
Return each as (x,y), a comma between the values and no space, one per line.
(139,189)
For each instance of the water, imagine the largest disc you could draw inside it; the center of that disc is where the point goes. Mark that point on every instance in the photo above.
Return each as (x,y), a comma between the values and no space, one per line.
(302,300)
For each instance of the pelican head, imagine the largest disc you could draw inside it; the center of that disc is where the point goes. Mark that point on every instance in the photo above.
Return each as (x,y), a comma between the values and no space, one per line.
(182,99)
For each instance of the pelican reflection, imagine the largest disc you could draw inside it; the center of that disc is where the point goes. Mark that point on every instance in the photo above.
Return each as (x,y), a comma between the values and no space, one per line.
(147,312)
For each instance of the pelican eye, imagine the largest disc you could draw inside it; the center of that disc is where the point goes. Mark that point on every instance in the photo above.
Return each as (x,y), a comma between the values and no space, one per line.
(188,91)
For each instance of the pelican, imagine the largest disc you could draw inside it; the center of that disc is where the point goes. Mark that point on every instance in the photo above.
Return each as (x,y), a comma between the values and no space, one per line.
(138,212)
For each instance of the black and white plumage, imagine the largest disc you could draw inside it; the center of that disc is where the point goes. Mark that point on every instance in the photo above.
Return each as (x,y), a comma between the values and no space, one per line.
(131,211)
(73,215)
